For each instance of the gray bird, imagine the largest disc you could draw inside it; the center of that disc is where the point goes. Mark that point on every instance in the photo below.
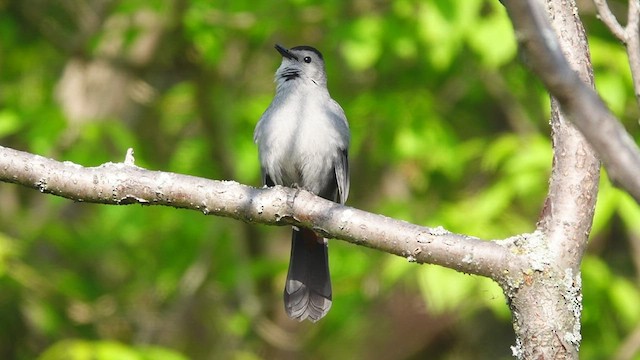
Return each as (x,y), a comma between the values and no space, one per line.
(303,139)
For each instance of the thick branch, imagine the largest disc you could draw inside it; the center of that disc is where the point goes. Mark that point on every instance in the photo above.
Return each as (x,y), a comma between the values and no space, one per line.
(121,184)
(579,101)
(547,308)
(573,187)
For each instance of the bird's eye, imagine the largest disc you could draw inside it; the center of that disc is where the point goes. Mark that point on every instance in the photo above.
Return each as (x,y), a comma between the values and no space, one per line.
(307,59)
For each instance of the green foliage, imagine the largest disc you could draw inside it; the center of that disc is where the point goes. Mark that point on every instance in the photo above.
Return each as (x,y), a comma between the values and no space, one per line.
(611,303)
(447,129)
(105,350)
(445,291)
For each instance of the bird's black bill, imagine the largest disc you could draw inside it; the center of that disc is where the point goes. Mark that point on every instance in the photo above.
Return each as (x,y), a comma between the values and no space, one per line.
(285,52)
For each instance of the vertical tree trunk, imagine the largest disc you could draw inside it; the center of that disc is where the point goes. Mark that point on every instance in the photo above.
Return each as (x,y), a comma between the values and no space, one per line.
(547,305)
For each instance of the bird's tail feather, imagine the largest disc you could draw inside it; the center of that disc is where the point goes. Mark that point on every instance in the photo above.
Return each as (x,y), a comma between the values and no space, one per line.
(307,293)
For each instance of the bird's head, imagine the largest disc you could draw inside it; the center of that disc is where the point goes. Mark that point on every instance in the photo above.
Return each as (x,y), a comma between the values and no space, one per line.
(301,63)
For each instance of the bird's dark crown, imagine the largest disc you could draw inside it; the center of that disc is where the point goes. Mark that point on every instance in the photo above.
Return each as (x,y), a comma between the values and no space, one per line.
(308,48)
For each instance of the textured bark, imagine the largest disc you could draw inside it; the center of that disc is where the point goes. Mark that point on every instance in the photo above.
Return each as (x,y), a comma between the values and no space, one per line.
(573,186)
(125,183)
(547,307)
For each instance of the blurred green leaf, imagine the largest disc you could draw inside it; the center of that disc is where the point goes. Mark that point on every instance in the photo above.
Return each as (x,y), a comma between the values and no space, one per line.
(613,90)
(445,291)
(491,37)
(626,299)
(363,48)
(9,123)
(105,350)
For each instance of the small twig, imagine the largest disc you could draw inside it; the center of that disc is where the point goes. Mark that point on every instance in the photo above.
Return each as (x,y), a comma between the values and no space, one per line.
(633,18)
(129,159)
(629,35)
(607,17)
(633,44)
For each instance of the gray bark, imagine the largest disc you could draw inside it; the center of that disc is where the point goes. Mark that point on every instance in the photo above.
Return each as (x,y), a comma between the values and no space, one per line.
(547,307)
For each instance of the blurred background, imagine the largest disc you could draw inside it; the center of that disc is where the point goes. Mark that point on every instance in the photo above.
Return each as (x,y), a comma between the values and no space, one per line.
(448,128)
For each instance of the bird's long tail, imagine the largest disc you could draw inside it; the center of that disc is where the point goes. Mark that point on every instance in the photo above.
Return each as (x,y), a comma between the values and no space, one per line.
(307,292)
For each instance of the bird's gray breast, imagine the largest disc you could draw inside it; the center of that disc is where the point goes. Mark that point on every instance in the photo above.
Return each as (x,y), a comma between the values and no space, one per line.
(300,143)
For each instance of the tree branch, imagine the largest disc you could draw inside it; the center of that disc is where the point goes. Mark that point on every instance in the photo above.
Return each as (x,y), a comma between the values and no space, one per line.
(579,101)
(629,35)
(123,184)
(575,174)
(633,44)
(609,19)
(548,326)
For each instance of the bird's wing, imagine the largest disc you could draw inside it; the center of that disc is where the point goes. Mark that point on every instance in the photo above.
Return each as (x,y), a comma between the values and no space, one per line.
(342,161)
(342,175)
